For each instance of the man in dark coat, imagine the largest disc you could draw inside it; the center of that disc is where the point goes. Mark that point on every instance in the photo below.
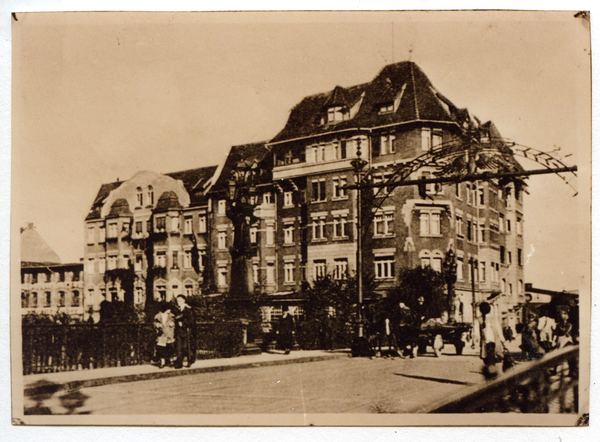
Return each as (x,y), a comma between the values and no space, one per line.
(286,332)
(185,342)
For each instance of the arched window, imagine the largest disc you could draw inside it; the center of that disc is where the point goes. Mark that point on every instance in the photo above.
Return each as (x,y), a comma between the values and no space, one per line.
(425,257)
(150,195)
(139,197)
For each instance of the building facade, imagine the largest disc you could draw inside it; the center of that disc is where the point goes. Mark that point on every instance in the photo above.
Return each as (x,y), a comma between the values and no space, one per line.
(304,219)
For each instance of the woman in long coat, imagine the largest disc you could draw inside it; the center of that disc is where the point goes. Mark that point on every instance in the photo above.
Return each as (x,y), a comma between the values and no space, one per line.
(164,324)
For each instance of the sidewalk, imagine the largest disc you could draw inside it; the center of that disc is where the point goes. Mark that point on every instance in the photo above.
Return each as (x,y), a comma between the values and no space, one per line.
(46,382)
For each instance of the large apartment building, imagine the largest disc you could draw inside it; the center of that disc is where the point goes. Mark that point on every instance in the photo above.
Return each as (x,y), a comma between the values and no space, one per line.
(304,218)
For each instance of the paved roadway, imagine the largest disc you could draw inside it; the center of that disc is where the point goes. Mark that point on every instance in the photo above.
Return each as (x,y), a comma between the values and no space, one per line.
(342,385)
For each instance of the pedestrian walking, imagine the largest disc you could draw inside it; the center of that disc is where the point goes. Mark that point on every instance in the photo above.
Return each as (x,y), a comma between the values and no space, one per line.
(286,332)
(164,324)
(492,341)
(564,328)
(545,328)
(185,342)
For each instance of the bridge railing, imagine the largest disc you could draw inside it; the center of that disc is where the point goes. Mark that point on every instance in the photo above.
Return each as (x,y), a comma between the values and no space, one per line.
(67,347)
(547,385)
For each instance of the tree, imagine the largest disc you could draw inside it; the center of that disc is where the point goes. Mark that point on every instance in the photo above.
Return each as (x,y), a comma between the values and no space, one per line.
(414,283)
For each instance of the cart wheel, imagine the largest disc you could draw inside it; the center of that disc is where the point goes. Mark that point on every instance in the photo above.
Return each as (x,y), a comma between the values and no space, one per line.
(438,344)
(459,345)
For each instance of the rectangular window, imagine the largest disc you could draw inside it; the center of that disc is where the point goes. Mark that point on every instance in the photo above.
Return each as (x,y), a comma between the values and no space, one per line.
(436,263)
(161,224)
(102,264)
(322,153)
(319,191)
(90,266)
(174,224)
(468,187)
(270,273)
(457,190)
(101,234)
(459,226)
(61,299)
(75,299)
(253,235)
(343,150)
(482,271)
(287,199)
(187,259)
(319,228)
(91,235)
(139,263)
(425,139)
(384,267)
(47,299)
(481,233)
(268,198)
(139,227)
(112,230)
(459,269)
(270,235)
(469,230)
(161,259)
(187,226)
(339,192)
(384,224)
(288,272)
(222,240)
(288,234)
(320,268)
(340,270)
(509,258)
(175,259)
(24,300)
(340,226)
(508,225)
(221,207)
(502,253)
(436,138)
(222,276)
(519,226)
(34,300)
(519,257)
(501,223)
(430,224)
(481,195)
(387,144)
(255,273)
(202,224)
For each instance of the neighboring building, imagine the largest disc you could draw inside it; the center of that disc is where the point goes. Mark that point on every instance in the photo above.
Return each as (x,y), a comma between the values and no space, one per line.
(149,224)
(48,287)
(397,117)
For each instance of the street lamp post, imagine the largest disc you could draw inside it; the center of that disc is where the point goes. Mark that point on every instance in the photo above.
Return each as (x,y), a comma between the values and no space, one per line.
(359,164)
(240,212)
(473,263)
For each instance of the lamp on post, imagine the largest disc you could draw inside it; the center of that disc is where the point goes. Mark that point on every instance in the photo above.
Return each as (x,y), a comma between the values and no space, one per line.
(474,264)
(449,268)
(240,212)
(359,165)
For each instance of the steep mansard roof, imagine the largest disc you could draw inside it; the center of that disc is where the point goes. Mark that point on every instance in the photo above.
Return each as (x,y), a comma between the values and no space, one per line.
(403,83)
(194,181)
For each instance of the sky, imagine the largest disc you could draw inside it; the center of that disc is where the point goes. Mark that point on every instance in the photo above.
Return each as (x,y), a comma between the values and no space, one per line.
(99,97)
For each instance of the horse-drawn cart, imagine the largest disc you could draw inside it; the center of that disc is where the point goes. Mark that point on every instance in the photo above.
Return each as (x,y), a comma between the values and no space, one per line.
(436,335)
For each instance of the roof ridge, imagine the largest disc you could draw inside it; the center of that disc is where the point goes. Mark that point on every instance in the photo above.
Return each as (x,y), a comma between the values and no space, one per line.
(412,76)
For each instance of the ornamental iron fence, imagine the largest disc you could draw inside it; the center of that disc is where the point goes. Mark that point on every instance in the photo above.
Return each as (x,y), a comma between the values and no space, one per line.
(548,385)
(51,348)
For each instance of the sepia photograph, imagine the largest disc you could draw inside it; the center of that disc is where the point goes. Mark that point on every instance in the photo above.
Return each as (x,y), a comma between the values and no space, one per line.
(326,218)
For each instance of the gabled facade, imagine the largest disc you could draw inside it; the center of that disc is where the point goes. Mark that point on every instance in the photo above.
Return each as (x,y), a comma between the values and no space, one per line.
(149,224)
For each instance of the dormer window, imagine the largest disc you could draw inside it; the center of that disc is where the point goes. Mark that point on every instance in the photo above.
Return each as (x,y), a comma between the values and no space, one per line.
(336,113)
(139,196)
(386,108)
(150,195)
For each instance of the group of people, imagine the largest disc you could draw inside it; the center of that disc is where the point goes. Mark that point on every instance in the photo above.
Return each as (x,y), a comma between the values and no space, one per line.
(540,334)
(175,334)
(551,329)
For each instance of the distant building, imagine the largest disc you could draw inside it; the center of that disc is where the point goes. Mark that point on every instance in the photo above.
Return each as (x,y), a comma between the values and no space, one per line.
(48,287)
